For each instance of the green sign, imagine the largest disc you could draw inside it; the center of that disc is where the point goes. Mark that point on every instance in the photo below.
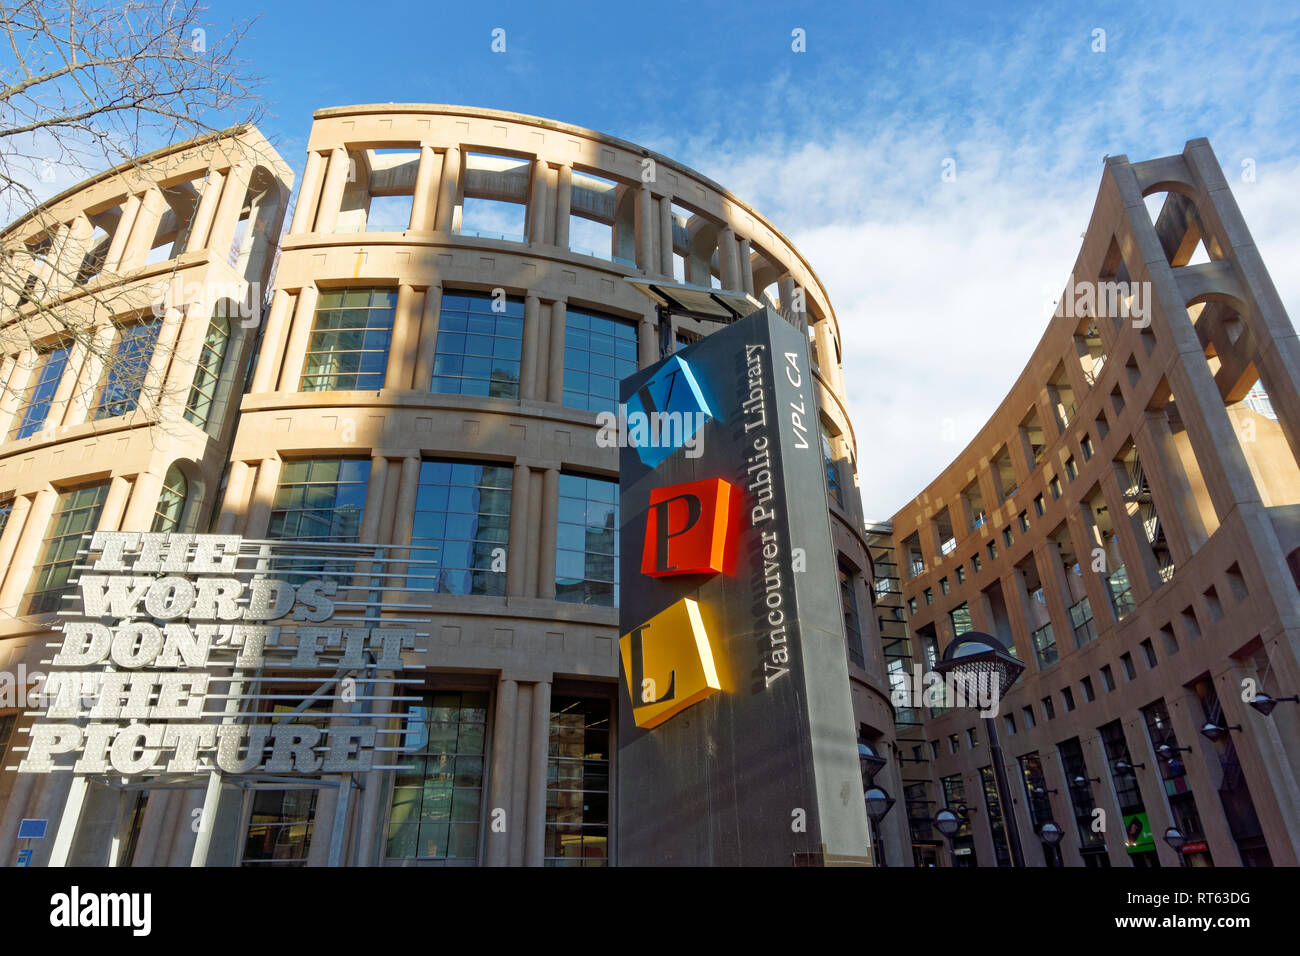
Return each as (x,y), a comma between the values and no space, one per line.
(1137,833)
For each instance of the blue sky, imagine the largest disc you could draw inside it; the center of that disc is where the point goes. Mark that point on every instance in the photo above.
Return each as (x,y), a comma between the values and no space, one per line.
(842,147)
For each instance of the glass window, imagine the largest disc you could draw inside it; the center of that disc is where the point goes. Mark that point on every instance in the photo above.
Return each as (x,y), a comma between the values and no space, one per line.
(6,509)
(960,618)
(1121,592)
(928,593)
(7,722)
(279,829)
(462,522)
(119,392)
(320,499)
(993,803)
(598,352)
(852,627)
(171,502)
(198,407)
(348,346)
(577,782)
(34,400)
(437,804)
(75,513)
(943,585)
(1081,618)
(586,541)
(828,463)
(1045,646)
(480,341)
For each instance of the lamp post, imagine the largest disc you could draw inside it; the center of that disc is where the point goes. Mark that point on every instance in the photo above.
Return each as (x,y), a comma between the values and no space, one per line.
(1051,834)
(948,823)
(977,656)
(878,804)
(1123,766)
(1265,704)
(1174,837)
(870,762)
(1214,733)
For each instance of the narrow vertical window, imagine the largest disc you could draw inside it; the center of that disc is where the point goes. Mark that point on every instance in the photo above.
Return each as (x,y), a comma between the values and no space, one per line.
(76,513)
(207,376)
(35,400)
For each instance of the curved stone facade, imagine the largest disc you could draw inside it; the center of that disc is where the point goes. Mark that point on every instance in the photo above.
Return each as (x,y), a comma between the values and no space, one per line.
(438,341)
(1127,521)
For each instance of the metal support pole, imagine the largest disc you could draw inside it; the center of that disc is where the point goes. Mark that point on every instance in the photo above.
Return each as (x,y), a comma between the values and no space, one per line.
(1004,791)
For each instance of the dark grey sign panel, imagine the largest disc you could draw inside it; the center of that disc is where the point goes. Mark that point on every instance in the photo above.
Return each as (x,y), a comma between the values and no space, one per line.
(764,771)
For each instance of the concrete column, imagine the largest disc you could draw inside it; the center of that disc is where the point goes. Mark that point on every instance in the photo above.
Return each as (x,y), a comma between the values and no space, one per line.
(153,391)
(666,236)
(1057,589)
(13,531)
(1081,534)
(520,531)
(1213,438)
(531,351)
(15,376)
(1175,503)
(110,516)
(117,245)
(1133,545)
(728,267)
(563,204)
(331,197)
(424,199)
(259,506)
(555,360)
(428,342)
(226,220)
(1013,595)
(152,208)
(408,487)
(448,191)
(295,352)
(304,213)
(86,386)
(746,267)
(61,404)
(406,333)
(499,784)
(539,216)
(647,219)
(233,504)
(186,348)
(546,534)
(538,750)
(647,345)
(372,511)
(204,212)
(269,358)
(70,252)
(144,502)
(27,551)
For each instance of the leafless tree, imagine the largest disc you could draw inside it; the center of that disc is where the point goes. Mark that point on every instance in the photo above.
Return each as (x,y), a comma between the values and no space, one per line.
(84,88)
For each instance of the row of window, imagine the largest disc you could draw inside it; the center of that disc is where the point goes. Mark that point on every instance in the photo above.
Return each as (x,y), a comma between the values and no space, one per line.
(438,811)
(459,534)
(479,351)
(126,367)
(479,348)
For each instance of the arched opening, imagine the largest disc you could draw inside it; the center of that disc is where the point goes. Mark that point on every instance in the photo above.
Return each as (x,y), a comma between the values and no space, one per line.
(211,363)
(170,511)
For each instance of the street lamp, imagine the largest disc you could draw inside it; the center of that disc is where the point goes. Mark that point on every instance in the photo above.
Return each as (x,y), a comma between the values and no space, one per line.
(1051,834)
(1265,704)
(1174,837)
(978,656)
(947,822)
(1170,753)
(1082,782)
(1123,766)
(869,760)
(1214,733)
(879,803)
